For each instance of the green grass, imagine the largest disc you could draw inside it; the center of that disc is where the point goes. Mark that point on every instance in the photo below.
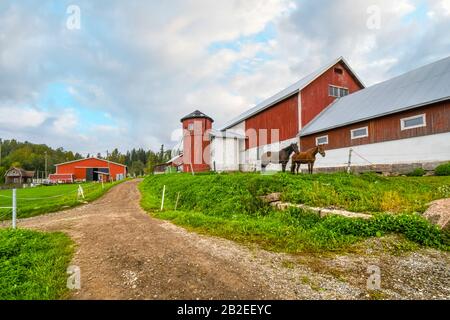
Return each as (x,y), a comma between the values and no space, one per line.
(54,198)
(228,205)
(33,265)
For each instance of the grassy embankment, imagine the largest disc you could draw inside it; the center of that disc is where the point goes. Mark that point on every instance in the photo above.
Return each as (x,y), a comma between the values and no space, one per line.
(228,205)
(33,265)
(46,199)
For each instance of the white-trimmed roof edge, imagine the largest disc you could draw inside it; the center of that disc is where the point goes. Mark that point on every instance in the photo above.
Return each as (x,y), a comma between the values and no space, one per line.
(290,91)
(73,161)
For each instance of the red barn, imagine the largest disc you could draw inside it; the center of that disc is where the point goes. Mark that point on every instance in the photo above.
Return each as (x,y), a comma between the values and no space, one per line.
(90,169)
(401,123)
(275,122)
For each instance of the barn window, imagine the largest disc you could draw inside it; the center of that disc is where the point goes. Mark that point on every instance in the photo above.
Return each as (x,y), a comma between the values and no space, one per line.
(337,92)
(321,140)
(191,126)
(360,133)
(413,122)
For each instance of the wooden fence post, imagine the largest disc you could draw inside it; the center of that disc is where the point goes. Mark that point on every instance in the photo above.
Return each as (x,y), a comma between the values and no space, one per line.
(349,160)
(176,202)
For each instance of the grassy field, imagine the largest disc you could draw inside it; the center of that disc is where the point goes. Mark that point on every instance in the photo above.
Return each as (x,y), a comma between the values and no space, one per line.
(33,265)
(46,199)
(228,205)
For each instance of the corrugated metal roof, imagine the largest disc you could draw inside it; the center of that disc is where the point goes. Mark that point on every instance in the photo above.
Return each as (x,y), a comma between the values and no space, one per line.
(91,158)
(227,134)
(422,86)
(174,158)
(286,93)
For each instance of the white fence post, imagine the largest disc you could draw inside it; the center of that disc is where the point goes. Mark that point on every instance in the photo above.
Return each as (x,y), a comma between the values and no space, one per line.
(14,208)
(80,192)
(162,200)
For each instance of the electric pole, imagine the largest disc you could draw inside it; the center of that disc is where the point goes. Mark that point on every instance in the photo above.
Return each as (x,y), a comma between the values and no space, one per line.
(46,165)
(109,169)
(0,152)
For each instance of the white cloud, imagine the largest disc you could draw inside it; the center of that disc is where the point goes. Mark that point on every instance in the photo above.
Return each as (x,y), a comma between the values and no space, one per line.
(446,6)
(21,118)
(65,122)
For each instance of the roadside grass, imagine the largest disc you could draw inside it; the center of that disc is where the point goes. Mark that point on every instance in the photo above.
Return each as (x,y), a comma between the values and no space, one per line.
(33,265)
(228,205)
(47,199)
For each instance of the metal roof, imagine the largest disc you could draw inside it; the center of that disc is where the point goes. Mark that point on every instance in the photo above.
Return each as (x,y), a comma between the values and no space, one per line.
(23,173)
(196,114)
(174,158)
(95,158)
(289,91)
(419,87)
(227,134)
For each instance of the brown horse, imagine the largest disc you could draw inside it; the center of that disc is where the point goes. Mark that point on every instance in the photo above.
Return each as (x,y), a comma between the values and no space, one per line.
(281,157)
(308,157)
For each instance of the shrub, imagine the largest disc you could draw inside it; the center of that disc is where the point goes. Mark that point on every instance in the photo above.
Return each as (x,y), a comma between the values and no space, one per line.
(418,172)
(443,170)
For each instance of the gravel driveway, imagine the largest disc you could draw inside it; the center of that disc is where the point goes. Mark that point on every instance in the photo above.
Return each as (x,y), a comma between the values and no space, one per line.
(123,253)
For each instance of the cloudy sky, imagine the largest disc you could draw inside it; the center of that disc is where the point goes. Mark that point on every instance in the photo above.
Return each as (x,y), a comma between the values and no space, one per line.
(133,68)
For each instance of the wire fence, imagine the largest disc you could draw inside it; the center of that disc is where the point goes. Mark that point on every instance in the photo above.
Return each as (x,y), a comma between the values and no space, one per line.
(24,204)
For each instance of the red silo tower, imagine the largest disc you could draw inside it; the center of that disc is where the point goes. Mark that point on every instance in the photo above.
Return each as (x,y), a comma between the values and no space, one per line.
(196,140)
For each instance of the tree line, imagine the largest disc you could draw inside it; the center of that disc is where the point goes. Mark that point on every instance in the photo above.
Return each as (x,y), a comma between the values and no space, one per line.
(140,161)
(30,156)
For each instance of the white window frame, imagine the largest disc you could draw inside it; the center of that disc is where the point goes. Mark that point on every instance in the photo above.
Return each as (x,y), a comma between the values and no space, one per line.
(403,120)
(359,137)
(321,137)
(337,87)
(191,126)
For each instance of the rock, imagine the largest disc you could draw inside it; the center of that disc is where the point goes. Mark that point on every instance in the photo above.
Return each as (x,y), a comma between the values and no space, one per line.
(321,211)
(273,197)
(439,213)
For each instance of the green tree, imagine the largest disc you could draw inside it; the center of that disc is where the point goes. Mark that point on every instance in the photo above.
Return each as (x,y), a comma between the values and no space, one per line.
(152,161)
(2,174)
(137,168)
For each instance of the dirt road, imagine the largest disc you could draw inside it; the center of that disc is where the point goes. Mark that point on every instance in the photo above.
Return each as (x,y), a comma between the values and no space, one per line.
(123,253)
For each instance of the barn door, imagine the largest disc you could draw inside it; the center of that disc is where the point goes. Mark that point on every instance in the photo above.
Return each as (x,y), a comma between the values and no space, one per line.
(89,174)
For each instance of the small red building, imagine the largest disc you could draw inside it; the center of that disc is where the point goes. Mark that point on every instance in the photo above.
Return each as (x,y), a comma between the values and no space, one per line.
(90,169)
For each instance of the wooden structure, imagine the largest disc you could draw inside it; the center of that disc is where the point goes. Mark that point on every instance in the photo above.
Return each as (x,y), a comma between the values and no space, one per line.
(61,178)
(18,176)
(90,169)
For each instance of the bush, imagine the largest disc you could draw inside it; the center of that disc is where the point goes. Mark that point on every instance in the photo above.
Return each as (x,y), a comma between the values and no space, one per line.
(443,170)
(418,172)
